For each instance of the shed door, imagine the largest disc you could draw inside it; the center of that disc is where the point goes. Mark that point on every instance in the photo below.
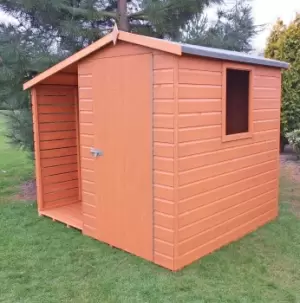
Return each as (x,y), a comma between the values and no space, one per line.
(123,113)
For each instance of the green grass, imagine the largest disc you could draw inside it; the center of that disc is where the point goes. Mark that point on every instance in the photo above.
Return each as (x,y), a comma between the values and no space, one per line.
(15,166)
(42,261)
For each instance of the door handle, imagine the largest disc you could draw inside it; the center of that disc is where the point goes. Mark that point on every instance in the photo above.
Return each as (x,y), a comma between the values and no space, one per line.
(96,152)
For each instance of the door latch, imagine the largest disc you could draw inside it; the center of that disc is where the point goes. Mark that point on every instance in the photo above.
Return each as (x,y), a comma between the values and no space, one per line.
(96,152)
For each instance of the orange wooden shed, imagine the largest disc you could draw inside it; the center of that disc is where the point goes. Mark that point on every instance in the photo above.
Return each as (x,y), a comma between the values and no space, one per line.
(165,150)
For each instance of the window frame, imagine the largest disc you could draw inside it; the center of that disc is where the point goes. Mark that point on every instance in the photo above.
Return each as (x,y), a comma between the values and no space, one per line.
(239,136)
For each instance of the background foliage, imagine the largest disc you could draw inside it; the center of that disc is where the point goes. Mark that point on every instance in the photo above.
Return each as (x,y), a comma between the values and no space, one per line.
(46,31)
(284,44)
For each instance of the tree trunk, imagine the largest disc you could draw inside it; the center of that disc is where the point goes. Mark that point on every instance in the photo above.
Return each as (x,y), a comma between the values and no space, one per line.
(122,14)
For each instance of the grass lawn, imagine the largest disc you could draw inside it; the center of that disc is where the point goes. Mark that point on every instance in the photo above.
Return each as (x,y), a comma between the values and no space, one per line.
(15,167)
(42,261)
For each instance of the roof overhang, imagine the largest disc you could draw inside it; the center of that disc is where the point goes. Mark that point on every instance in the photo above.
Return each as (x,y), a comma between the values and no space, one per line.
(158,44)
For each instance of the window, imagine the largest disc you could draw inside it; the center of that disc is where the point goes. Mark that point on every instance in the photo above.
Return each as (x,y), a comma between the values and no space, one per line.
(236,103)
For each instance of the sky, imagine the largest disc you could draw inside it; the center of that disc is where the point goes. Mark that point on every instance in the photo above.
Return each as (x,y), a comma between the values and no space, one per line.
(264,11)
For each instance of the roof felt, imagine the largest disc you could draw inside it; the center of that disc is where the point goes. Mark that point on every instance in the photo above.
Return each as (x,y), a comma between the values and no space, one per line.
(230,55)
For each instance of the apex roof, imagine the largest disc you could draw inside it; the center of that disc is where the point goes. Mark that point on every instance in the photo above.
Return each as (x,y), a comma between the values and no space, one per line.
(158,44)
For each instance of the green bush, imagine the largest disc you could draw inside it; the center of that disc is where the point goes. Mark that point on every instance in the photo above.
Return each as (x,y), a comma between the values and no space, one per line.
(284,44)
(294,140)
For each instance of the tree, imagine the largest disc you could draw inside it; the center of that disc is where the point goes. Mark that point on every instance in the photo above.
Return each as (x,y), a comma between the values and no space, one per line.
(233,29)
(284,44)
(48,30)
(22,56)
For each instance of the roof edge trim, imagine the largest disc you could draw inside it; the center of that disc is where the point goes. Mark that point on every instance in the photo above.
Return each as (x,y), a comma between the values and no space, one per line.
(158,44)
(162,45)
(68,61)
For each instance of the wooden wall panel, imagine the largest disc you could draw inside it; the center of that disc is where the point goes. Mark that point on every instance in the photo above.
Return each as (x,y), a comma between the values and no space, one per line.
(56,115)
(87,139)
(164,111)
(225,189)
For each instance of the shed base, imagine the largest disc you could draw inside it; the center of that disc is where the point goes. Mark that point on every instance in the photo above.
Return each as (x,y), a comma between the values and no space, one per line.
(70,214)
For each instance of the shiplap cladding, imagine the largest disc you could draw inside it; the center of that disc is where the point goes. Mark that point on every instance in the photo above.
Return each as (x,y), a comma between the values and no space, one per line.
(225,189)
(56,116)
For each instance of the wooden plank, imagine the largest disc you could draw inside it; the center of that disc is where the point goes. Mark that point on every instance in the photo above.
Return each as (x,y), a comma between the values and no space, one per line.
(58,98)
(163,76)
(188,76)
(199,133)
(55,170)
(200,64)
(163,164)
(163,135)
(255,174)
(88,186)
(86,117)
(88,175)
(36,132)
(68,176)
(56,109)
(163,61)
(49,188)
(57,126)
(266,81)
(199,119)
(266,104)
(89,198)
(266,125)
(163,121)
(221,229)
(85,93)
(87,163)
(68,193)
(88,209)
(205,146)
(69,214)
(163,150)
(187,91)
(225,239)
(163,260)
(86,105)
(164,234)
(87,140)
(59,161)
(224,214)
(164,220)
(44,145)
(209,171)
(61,152)
(86,128)
(266,114)
(163,106)
(199,106)
(44,118)
(75,93)
(163,178)
(163,91)
(218,156)
(50,136)
(266,93)
(164,192)
(164,247)
(62,79)
(86,79)
(165,207)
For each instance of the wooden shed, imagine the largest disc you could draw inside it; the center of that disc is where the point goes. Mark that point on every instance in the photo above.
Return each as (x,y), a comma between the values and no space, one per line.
(165,150)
